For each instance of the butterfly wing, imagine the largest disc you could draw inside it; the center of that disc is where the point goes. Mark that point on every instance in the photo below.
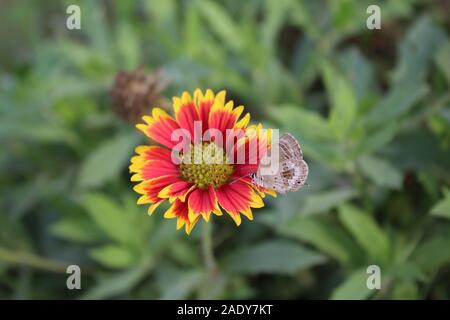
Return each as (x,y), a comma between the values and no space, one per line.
(292,170)
(289,147)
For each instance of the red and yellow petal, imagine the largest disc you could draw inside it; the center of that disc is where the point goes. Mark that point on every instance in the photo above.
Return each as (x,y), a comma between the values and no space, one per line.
(150,189)
(154,153)
(254,146)
(155,169)
(152,162)
(180,211)
(178,190)
(202,202)
(186,114)
(223,117)
(204,103)
(159,127)
(238,197)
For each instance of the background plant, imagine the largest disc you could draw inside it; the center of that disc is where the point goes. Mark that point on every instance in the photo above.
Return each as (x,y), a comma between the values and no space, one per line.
(370,107)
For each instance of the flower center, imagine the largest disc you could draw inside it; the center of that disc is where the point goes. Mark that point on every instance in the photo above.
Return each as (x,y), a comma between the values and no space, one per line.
(206,164)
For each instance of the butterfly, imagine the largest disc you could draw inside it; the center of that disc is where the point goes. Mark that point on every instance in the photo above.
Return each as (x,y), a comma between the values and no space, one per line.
(292,169)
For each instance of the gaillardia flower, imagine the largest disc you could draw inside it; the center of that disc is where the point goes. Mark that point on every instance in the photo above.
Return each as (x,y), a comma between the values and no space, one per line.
(200,176)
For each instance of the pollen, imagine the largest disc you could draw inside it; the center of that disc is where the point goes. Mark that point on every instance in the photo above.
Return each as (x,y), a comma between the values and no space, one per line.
(206,164)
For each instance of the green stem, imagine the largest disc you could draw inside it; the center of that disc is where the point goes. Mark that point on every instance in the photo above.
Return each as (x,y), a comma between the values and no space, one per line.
(208,249)
(31,260)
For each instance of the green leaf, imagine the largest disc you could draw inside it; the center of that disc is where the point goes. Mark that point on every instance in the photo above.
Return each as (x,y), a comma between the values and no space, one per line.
(128,45)
(405,290)
(354,287)
(323,202)
(396,103)
(378,138)
(381,172)
(433,253)
(366,232)
(275,12)
(327,236)
(422,40)
(442,208)
(443,61)
(106,161)
(180,284)
(117,284)
(113,256)
(276,257)
(342,100)
(307,124)
(358,71)
(77,229)
(110,217)
(222,24)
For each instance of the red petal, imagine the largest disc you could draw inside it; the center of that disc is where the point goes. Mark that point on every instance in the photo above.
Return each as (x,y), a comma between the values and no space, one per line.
(203,202)
(159,127)
(178,190)
(155,169)
(238,197)
(186,114)
(179,210)
(151,188)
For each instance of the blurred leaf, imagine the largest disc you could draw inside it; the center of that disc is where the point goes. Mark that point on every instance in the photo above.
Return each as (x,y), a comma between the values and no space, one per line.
(342,100)
(77,229)
(113,256)
(222,24)
(308,124)
(442,208)
(405,290)
(128,45)
(408,271)
(324,201)
(164,16)
(358,71)
(377,139)
(276,257)
(325,235)
(443,61)
(41,132)
(353,288)
(433,252)
(366,232)
(106,161)
(273,21)
(94,25)
(417,149)
(381,172)
(117,284)
(110,217)
(416,50)
(179,284)
(396,103)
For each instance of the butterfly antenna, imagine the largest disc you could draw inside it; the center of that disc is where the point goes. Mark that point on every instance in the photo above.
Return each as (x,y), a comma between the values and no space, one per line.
(240,178)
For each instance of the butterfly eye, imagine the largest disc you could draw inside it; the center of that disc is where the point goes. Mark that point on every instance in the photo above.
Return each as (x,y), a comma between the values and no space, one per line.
(253,175)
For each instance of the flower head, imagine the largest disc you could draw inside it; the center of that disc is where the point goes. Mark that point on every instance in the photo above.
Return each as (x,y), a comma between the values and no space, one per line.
(133,92)
(203,162)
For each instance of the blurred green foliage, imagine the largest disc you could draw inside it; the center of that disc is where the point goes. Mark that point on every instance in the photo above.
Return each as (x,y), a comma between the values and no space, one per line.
(370,107)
